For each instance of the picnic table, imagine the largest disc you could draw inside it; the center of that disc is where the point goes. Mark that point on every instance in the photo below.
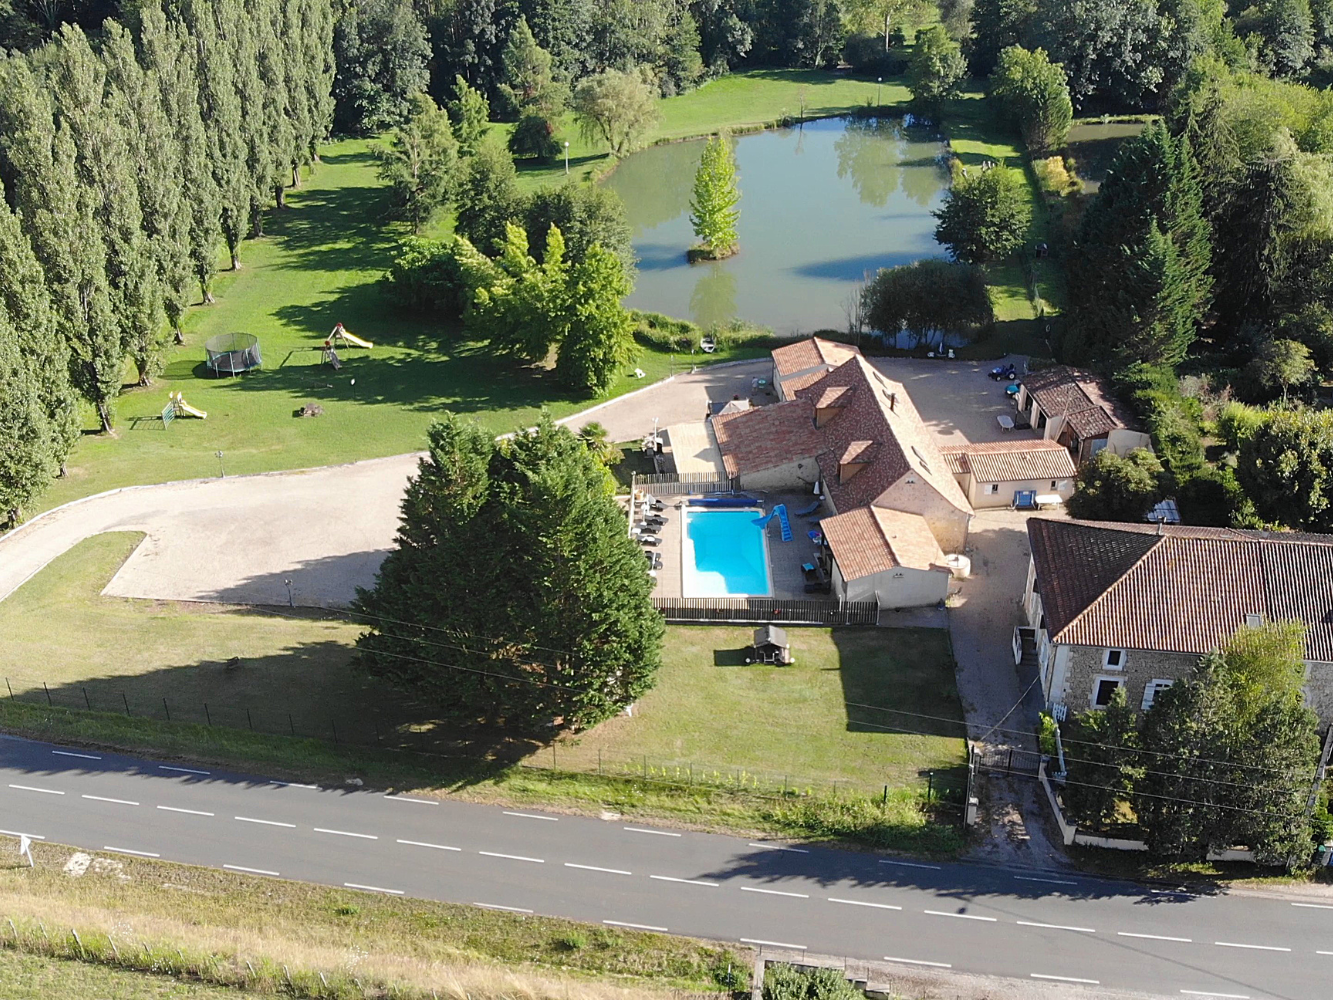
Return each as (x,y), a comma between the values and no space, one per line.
(1005,421)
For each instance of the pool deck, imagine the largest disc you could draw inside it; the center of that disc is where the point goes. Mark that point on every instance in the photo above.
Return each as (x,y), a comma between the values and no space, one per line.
(784,558)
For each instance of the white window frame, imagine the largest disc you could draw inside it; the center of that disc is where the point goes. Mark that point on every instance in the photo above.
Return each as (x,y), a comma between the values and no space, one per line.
(1096,685)
(991,489)
(1106,659)
(1152,689)
(1254,620)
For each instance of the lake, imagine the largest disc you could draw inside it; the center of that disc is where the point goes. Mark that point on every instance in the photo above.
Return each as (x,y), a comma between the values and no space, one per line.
(822,206)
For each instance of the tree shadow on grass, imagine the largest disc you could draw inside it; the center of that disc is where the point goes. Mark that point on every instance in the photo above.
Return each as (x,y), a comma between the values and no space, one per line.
(310,690)
(899,681)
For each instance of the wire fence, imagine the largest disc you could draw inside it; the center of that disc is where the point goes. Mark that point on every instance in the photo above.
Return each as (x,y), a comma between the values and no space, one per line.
(940,787)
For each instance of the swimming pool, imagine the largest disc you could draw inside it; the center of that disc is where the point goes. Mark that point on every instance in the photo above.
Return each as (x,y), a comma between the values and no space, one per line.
(725,554)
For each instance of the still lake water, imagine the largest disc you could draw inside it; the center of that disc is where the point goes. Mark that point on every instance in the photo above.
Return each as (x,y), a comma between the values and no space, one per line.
(821,207)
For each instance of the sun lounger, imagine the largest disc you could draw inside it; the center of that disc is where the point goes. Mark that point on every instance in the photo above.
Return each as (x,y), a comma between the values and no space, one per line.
(807,511)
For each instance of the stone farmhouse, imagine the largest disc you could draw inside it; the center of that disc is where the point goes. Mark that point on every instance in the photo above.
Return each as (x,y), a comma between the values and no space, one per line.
(1135,605)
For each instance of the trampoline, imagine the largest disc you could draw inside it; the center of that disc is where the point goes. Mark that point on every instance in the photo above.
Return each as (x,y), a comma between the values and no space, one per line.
(232,353)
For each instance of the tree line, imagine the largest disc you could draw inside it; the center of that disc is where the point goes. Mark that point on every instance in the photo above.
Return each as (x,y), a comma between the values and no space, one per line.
(129,156)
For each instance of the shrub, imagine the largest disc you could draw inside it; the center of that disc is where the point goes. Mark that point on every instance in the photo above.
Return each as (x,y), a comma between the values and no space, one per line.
(1237,423)
(436,276)
(1057,176)
(1173,420)
(783,982)
(1046,734)
(534,136)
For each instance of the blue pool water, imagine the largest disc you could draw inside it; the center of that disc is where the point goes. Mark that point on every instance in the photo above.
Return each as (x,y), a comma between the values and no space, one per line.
(726,554)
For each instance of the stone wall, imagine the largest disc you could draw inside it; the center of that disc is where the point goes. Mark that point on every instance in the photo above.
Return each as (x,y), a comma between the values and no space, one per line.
(1139,668)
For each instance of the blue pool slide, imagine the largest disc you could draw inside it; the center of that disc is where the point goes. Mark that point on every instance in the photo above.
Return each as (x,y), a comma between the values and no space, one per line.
(780,512)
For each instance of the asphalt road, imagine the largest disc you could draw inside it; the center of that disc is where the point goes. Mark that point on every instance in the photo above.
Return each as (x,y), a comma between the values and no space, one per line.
(992,921)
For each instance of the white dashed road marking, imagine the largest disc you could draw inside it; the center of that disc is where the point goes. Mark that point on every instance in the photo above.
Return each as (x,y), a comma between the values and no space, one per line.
(345,833)
(1205,993)
(69,753)
(15,833)
(960,916)
(659,833)
(594,868)
(686,881)
(553,819)
(497,906)
(860,902)
(422,843)
(1155,937)
(773,944)
(182,770)
(1312,906)
(126,850)
(637,927)
(917,961)
(909,864)
(512,857)
(373,888)
(252,871)
(1252,947)
(775,892)
(30,788)
(266,822)
(103,798)
(177,809)
(1049,881)
(1056,927)
(408,798)
(780,847)
(1066,979)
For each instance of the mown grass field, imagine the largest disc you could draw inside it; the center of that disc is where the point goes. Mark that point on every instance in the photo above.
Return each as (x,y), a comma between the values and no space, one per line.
(710,713)
(711,745)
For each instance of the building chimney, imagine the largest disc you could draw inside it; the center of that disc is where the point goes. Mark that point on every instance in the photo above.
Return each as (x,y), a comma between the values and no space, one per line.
(893,400)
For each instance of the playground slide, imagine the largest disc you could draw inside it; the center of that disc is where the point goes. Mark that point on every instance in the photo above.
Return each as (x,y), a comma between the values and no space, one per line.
(185,407)
(352,338)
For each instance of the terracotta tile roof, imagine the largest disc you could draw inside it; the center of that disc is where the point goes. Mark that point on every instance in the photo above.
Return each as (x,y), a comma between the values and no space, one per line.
(837,395)
(1010,461)
(1082,396)
(811,353)
(1178,588)
(871,540)
(879,410)
(767,436)
(858,451)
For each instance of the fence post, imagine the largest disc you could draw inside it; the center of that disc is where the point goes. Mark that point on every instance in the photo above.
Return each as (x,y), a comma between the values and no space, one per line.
(334,727)
(249,720)
(48,693)
(290,724)
(11,690)
(85,699)
(166,709)
(1010,768)
(553,755)
(206,715)
(126,701)
(930,785)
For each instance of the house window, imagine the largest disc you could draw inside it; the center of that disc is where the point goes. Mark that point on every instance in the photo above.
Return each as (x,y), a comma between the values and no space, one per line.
(1103,689)
(1114,659)
(1054,487)
(1152,689)
(992,488)
(1254,621)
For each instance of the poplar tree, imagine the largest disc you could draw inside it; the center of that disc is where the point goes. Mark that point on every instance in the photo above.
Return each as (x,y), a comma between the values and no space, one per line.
(713,211)
(59,217)
(43,424)
(164,210)
(598,339)
(96,115)
(221,108)
(170,58)
(242,29)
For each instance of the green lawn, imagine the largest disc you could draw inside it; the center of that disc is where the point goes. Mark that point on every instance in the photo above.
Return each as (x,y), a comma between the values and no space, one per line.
(711,715)
(318,265)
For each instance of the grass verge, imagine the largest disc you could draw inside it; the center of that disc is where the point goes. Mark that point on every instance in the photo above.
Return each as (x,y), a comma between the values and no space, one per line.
(899,820)
(273,936)
(37,975)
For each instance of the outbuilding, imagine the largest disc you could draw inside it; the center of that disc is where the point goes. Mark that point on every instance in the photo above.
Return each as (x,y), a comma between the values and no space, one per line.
(770,646)
(994,473)
(887,556)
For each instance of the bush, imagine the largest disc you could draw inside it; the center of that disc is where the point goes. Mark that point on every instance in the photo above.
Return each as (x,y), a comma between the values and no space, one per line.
(1237,423)
(664,333)
(425,277)
(865,54)
(1172,419)
(534,136)
(1212,497)
(1046,734)
(1056,176)
(783,982)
